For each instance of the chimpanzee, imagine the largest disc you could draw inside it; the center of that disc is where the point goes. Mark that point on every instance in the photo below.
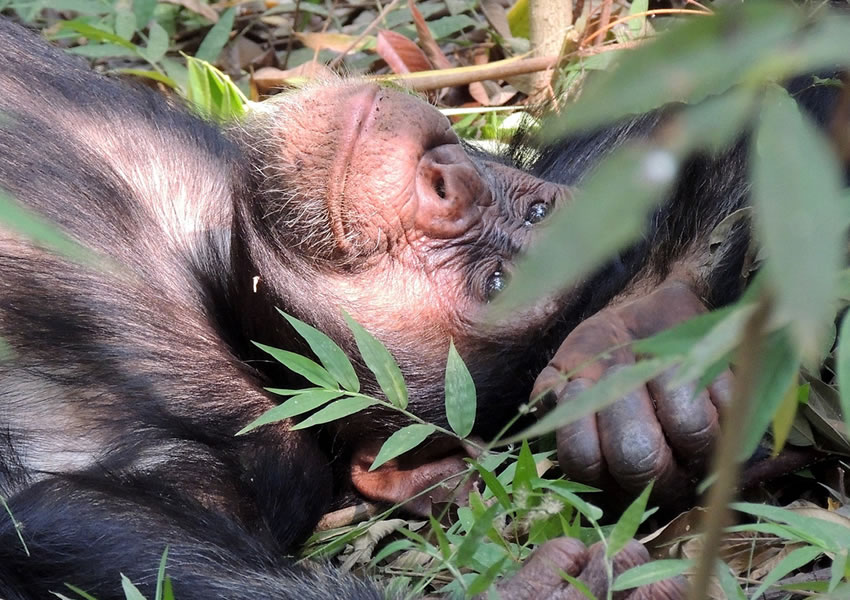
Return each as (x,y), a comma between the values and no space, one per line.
(127,377)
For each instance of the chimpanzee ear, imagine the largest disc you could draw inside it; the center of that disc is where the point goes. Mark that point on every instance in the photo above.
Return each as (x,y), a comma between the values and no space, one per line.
(438,468)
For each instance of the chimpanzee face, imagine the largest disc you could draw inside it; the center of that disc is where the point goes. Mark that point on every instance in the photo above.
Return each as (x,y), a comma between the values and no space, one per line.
(414,234)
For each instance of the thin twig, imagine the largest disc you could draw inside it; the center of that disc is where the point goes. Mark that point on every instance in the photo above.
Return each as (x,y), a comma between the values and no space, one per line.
(648,13)
(726,465)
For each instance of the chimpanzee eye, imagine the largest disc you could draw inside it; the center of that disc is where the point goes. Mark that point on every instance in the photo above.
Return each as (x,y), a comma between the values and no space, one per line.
(536,212)
(495,283)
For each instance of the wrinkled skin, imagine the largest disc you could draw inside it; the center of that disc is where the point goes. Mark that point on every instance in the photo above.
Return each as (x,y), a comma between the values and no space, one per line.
(657,432)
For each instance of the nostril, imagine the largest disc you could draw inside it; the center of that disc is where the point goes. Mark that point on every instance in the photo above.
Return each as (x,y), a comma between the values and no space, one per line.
(440,187)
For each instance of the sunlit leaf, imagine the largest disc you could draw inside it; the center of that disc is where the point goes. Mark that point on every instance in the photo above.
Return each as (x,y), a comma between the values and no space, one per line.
(799,217)
(628,523)
(328,352)
(297,405)
(401,441)
(460,394)
(657,570)
(131,592)
(337,410)
(784,416)
(380,362)
(310,370)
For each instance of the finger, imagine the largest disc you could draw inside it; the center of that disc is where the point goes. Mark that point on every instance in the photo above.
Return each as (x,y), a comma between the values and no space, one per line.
(634,445)
(594,346)
(540,576)
(579,450)
(720,391)
(689,420)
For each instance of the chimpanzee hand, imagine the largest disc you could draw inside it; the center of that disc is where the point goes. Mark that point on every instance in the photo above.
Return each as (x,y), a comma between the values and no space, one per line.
(540,577)
(652,433)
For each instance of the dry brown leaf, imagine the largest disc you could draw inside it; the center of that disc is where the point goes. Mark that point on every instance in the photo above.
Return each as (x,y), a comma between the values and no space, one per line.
(270,78)
(426,40)
(401,54)
(338,42)
(489,93)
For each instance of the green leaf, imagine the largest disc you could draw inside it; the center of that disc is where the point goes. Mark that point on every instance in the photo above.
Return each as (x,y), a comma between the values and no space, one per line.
(96,34)
(827,535)
(698,58)
(442,540)
(483,581)
(799,217)
(297,405)
(217,37)
(838,570)
(842,368)
(401,441)
(777,373)
(650,572)
(143,10)
(715,123)
(582,234)
(727,582)
(131,592)
(611,388)
(380,362)
(494,486)
(337,410)
(329,354)
(157,43)
(160,575)
(302,365)
(473,536)
(147,74)
(680,339)
(638,6)
(785,415)
(791,562)
(526,468)
(105,51)
(460,394)
(446,26)
(125,24)
(626,527)
(79,592)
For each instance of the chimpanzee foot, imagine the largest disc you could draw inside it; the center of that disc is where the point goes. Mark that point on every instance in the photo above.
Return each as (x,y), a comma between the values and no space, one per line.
(540,578)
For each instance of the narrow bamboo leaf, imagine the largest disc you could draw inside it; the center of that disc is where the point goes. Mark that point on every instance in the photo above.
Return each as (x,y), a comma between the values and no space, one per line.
(302,365)
(842,369)
(401,441)
(647,573)
(78,591)
(160,575)
(442,540)
(329,354)
(791,562)
(680,339)
(297,405)
(800,220)
(838,570)
(460,394)
(777,373)
(131,592)
(149,74)
(473,536)
(608,390)
(96,34)
(484,580)
(526,468)
(380,362)
(337,410)
(217,37)
(786,413)
(494,486)
(727,582)
(626,527)
(157,43)
(827,535)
